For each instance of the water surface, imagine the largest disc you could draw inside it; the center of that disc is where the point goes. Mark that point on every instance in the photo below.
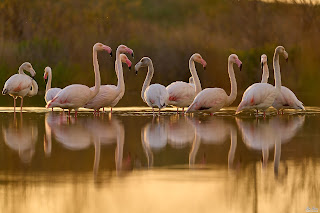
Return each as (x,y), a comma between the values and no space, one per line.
(135,162)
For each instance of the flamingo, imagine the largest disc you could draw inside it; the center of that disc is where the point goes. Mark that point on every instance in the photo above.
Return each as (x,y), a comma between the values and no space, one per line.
(213,99)
(260,96)
(181,94)
(20,85)
(155,95)
(50,92)
(77,95)
(109,95)
(286,98)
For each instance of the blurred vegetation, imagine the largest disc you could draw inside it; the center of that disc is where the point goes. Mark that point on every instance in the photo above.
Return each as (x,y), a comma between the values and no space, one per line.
(60,34)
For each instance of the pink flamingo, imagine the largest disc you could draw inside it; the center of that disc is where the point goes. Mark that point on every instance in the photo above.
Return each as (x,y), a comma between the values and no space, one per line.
(77,95)
(213,99)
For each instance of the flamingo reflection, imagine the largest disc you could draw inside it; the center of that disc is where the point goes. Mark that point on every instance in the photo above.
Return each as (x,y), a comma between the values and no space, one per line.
(213,131)
(264,134)
(81,133)
(21,138)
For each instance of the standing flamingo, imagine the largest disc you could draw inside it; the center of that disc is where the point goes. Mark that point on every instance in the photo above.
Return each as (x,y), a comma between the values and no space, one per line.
(20,85)
(77,95)
(155,95)
(286,99)
(213,99)
(50,92)
(109,95)
(181,94)
(260,96)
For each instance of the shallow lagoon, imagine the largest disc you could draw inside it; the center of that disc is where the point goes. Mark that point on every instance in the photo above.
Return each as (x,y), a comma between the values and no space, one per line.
(132,161)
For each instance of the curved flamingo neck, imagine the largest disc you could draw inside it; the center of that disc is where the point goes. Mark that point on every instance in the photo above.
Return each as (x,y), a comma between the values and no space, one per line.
(276,67)
(195,76)
(34,88)
(96,73)
(233,93)
(119,71)
(20,71)
(48,86)
(265,73)
(147,81)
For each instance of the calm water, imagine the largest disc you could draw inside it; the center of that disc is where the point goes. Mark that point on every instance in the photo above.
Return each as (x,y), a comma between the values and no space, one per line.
(134,162)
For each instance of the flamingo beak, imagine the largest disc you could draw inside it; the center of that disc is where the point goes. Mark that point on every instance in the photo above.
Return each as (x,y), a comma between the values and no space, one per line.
(132,54)
(204,63)
(287,59)
(110,54)
(239,63)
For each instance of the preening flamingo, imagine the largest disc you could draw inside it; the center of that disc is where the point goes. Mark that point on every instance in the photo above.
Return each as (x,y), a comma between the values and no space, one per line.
(77,95)
(213,99)
(181,94)
(155,95)
(260,96)
(20,85)
(286,99)
(109,95)
(50,92)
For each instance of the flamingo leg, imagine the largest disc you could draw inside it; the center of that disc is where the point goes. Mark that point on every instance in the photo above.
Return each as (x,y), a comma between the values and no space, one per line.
(52,109)
(111,110)
(159,111)
(152,111)
(177,110)
(21,104)
(257,112)
(69,113)
(103,109)
(282,112)
(14,105)
(182,110)
(76,113)
(264,114)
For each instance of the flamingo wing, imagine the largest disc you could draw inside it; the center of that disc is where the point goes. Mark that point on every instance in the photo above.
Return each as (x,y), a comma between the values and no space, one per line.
(258,95)
(17,83)
(180,93)
(209,99)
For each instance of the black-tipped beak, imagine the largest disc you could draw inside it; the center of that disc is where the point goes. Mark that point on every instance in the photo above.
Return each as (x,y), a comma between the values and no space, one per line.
(240,67)
(287,59)
(132,54)
(130,68)
(136,72)
(110,54)
(32,77)
(204,68)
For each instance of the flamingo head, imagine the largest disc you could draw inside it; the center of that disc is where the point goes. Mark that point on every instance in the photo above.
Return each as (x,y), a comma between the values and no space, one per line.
(198,58)
(124,59)
(144,62)
(124,49)
(101,47)
(47,70)
(263,60)
(28,67)
(233,58)
(282,50)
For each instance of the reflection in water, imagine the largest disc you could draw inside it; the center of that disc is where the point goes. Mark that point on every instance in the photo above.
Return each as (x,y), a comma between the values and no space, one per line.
(62,177)
(213,131)
(80,133)
(21,137)
(180,131)
(263,134)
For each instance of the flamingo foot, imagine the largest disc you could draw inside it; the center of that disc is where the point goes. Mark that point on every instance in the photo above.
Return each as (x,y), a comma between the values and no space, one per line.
(103,109)
(264,114)
(177,110)
(282,112)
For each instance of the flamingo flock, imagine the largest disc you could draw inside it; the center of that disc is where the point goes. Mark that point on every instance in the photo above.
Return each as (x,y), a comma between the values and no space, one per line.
(259,96)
